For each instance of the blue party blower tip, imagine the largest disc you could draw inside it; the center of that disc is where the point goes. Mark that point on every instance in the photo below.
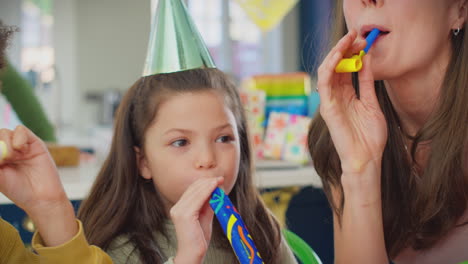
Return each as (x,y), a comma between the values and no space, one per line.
(371,39)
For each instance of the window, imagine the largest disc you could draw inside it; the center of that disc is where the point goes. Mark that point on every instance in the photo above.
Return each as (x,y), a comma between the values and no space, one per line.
(233,40)
(235,43)
(208,17)
(37,51)
(247,43)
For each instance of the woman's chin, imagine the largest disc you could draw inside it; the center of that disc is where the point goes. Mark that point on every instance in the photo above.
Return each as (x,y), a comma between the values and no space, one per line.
(381,72)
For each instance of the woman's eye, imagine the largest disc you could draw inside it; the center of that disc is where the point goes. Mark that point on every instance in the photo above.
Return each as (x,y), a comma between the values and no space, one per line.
(225,139)
(179,143)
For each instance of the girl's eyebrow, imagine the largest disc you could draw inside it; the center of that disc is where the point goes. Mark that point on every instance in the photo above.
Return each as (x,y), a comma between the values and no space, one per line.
(221,127)
(188,131)
(181,130)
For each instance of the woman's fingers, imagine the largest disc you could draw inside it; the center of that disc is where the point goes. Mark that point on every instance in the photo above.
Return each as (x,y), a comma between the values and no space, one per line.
(366,83)
(325,78)
(348,38)
(345,43)
(326,71)
(358,45)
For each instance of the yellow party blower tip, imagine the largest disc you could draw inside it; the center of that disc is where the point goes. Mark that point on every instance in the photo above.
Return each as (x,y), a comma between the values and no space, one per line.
(354,64)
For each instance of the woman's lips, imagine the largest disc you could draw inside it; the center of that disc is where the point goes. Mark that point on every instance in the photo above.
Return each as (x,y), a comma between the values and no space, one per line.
(381,36)
(382,33)
(365,29)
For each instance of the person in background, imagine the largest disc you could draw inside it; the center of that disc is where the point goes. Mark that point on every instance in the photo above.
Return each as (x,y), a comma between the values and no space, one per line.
(394,158)
(19,93)
(29,178)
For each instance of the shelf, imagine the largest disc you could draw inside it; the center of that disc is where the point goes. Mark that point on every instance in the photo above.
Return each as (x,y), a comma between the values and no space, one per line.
(78,181)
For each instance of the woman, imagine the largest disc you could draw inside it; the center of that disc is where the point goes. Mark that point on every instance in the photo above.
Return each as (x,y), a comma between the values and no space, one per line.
(393,157)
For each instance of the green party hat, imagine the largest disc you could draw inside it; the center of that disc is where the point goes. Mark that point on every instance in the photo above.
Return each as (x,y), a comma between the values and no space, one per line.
(175,43)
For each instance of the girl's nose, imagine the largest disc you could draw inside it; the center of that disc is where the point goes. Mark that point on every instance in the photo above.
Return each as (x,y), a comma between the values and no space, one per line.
(377,3)
(206,159)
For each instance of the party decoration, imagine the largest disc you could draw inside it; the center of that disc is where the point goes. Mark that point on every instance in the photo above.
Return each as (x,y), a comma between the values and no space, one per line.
(175,43)
(266,14)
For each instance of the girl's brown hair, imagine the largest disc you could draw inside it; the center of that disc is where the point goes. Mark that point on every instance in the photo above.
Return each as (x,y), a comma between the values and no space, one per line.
(121,202)
(417,211)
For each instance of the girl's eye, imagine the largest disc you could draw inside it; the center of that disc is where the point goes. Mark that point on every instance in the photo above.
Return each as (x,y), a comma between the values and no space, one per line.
(225,139)
(179,143)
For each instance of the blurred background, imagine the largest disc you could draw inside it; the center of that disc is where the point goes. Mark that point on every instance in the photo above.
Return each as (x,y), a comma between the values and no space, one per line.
(73,50)
(76,58)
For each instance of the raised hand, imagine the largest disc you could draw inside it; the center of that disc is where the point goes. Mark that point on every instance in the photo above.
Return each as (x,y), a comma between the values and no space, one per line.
(29,178)
(357,125)
(193,219)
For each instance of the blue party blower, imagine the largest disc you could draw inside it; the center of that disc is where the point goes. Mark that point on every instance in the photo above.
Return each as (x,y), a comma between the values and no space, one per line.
(234,228)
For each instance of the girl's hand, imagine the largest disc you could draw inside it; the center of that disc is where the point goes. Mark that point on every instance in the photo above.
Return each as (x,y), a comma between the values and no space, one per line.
(357,126)
(29,178)
(193,219)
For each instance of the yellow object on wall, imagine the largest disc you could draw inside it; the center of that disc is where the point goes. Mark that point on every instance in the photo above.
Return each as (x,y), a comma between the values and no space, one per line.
(278,202)
(266,14)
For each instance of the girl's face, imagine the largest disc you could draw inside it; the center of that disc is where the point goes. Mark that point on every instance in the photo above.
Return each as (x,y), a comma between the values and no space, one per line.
(418,32)
(194,135)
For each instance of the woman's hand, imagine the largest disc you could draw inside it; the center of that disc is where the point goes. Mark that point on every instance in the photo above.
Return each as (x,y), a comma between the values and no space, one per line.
(29,178)
(359,132)
(193,220)
(357,126)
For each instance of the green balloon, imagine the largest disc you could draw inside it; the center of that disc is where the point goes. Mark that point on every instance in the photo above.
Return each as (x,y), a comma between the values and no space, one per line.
(175,43)
(301,249)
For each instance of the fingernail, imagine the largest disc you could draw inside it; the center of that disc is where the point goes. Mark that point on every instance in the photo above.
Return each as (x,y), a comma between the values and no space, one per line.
(3,150)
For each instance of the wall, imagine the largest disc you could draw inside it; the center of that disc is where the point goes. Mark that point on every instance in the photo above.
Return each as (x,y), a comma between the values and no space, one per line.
(112,37)
(280,50)
(112,40)
(291,61)
(66,59)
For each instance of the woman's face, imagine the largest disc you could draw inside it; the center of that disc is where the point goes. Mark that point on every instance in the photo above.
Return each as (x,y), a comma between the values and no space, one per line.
(416,32)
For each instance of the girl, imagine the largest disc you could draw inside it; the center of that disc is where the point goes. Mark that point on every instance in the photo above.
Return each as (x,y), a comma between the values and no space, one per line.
(394,159)
(177,137)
